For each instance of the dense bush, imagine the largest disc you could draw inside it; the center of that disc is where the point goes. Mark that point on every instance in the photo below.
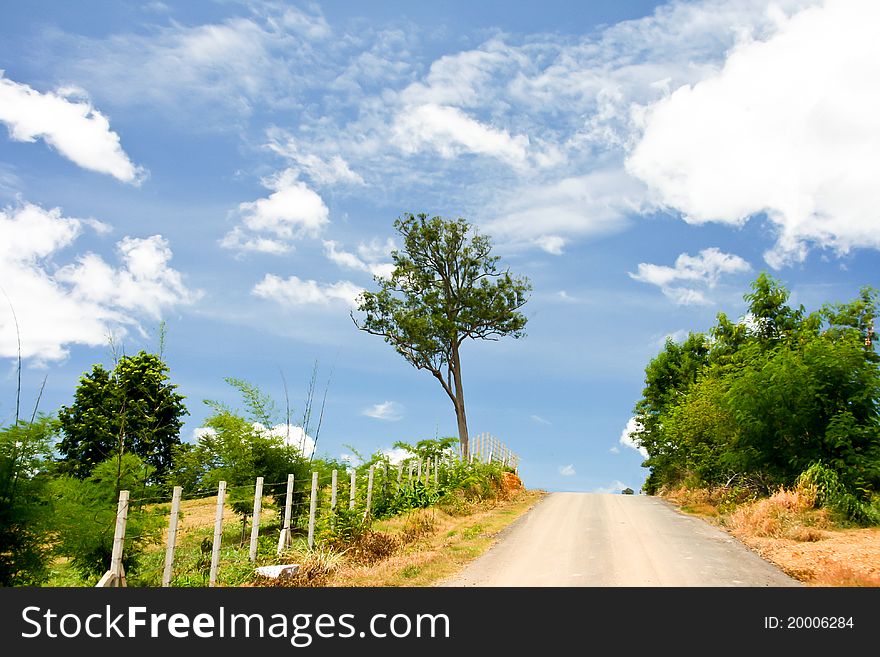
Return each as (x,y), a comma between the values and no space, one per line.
(761,401)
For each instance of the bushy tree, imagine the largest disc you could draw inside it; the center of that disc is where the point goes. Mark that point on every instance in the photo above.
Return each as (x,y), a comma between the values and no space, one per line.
(85,515)
(132,409)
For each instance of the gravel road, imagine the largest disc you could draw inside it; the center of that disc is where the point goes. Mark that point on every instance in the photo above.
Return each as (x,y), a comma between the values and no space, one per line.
(589,539)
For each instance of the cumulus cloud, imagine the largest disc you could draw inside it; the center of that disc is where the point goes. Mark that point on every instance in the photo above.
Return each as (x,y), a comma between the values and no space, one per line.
(626,437)
(788,127)
(397,455)
(698,272)
(389,410)
(69,124)
(270,225)
(295,292)
(82,301)
(290,434)
(552,244)
(567,470)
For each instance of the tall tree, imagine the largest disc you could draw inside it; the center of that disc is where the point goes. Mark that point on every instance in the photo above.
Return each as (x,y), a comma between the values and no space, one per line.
(132,409)
(446,288)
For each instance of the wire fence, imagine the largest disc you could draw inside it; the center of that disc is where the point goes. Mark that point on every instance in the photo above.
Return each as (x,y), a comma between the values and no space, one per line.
(216,536)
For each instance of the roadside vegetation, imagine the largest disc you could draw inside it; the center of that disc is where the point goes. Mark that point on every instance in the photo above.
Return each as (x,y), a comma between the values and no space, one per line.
(771,426)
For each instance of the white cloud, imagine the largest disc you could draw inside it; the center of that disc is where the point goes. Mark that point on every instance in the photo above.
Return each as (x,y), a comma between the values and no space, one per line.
(678,337)
(614,450)
(540,420)
(626,439)
(80,302)
(567,470)
(292,435)
(593,204)
(67,123)
(614,487)
(295,292)
(270,225)
(397,455)
(789,127)
(219,69)
(323,171)
(388,410)
(368,258)
(703,270)
(552,244)
(450,132)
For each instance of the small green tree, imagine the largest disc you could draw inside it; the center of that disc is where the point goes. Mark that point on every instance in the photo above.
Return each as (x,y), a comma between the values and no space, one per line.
(25,530)
(237,447)
(85,515)
(132,409)
(446,288)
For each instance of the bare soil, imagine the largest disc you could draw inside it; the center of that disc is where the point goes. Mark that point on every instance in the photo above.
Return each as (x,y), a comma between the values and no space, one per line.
(842,557)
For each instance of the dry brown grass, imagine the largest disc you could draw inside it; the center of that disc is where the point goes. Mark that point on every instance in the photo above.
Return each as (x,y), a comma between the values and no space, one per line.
(785,514)
(416,549)
(789,531)
(434,544)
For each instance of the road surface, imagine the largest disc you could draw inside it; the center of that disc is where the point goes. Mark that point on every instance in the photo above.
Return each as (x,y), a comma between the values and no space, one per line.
(589,539)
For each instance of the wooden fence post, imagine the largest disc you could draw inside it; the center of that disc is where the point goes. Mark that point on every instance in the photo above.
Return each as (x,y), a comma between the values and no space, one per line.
(255,521)
(313,507)
(437,471)
(333,479)
(369,492)
(172,536)
(352,488)
(116,575)
(218,534)
(284,536)
(399,474)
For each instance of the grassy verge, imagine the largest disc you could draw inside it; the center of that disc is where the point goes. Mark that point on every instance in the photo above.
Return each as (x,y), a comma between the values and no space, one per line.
(447,543)
(417,548)
(813,545)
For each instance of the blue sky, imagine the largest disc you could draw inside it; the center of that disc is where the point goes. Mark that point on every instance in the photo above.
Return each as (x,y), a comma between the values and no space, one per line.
(235,168)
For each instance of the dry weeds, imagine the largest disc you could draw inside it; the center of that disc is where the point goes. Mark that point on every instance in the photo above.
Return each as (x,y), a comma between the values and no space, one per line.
(787,530)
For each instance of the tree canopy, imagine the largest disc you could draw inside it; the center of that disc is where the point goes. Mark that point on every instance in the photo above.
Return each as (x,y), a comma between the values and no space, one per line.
(765,399)
(133,408)
(446,288)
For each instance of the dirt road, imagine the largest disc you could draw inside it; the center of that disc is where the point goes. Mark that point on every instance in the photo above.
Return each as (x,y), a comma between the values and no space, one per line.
(588,539)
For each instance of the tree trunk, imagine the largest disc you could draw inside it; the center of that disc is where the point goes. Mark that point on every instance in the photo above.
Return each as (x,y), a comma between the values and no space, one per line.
(460,415)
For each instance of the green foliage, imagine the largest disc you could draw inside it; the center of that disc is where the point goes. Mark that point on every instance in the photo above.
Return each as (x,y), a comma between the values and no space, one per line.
(238,448)
(446,287)
(762,400)
(132,409)
(830,492)
(25,507)
(85,515)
